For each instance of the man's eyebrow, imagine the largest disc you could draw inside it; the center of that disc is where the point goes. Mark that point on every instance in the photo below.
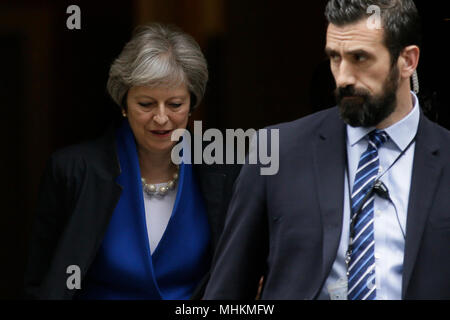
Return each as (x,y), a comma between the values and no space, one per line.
(359,52)
(329,52)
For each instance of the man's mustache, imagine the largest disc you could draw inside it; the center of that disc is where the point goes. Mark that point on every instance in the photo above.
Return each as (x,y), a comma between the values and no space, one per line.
(350,91)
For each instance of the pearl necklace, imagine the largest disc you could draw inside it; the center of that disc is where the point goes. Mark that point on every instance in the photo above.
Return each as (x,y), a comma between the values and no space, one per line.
(152,190)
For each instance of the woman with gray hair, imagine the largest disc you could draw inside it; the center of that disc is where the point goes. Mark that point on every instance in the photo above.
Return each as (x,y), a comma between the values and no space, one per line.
(116,218)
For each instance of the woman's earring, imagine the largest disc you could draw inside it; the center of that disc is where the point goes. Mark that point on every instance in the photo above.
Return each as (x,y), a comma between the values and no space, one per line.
(124,114)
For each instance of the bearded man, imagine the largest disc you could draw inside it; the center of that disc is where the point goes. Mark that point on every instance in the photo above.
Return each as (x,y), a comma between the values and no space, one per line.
(360,207)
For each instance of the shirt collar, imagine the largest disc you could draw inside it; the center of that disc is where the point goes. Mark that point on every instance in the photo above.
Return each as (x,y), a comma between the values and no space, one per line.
(401,132)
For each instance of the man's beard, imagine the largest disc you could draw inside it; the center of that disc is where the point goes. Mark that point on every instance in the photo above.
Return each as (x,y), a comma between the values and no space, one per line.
(365,110)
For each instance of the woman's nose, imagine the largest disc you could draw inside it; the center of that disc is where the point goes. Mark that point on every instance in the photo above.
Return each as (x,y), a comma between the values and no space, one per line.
(161,116)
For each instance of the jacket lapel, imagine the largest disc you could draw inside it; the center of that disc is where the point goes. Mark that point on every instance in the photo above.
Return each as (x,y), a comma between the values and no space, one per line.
(424,181)
(329,158)
(92,221)
(212,180)
(212,186)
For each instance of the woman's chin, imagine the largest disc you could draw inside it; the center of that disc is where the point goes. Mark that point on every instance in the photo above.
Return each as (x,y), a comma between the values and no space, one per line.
(161,147)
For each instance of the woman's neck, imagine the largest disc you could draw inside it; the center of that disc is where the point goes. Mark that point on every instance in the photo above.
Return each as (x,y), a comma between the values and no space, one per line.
(156,168)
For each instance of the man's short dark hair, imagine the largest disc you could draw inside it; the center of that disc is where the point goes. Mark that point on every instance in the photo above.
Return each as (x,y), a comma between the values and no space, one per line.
(399,18)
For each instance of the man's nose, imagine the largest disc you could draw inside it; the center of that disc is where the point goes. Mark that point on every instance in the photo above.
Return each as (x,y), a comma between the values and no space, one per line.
(160,116)
(345,75)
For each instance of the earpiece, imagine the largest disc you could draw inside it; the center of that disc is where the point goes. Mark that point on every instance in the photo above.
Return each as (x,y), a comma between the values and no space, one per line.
(415,82)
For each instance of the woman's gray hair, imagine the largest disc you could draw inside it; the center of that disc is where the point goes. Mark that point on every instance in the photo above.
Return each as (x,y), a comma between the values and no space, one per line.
(159,55)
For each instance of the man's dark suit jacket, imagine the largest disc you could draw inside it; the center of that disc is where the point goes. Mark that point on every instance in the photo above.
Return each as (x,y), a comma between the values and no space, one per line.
(287,226)
(77,197)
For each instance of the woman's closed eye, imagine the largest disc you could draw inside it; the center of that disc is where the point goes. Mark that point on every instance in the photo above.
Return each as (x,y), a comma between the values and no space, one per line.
(145,104)
(148,104)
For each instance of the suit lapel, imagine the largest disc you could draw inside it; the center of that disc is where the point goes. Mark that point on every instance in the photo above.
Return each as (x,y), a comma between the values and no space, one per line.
(424,181)
(329,158)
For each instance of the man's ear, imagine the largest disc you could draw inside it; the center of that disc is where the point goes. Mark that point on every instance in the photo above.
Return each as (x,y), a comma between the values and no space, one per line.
(408,61)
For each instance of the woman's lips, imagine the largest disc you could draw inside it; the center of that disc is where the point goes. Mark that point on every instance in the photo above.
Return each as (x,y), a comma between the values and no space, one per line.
(161,133)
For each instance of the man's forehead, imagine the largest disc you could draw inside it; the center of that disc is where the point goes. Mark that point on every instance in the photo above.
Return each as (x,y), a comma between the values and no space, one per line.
(359,33)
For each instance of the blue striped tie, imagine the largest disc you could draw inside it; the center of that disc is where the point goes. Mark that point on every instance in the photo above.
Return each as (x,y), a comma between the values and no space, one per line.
(361,267)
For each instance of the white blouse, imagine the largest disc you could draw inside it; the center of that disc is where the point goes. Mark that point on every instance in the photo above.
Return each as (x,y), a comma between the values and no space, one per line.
(158,211)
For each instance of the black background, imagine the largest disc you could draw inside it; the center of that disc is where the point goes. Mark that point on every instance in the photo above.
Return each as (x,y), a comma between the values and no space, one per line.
(266,66)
